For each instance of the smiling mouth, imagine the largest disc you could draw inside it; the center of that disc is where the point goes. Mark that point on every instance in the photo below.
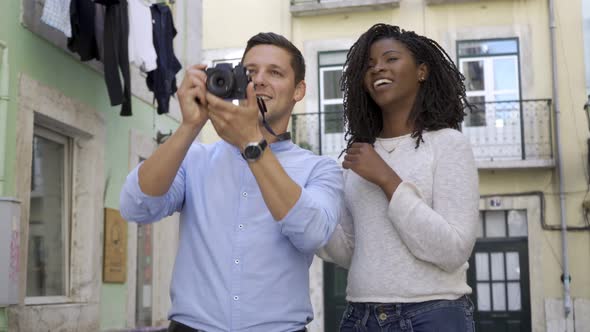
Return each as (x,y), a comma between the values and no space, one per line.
(381,82)
(264,97)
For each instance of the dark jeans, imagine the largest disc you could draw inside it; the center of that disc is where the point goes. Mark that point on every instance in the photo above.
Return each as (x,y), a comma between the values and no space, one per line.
(178,327)
(430,316)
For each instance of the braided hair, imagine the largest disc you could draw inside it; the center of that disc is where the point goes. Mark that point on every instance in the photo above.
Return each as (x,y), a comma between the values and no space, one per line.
(439,103)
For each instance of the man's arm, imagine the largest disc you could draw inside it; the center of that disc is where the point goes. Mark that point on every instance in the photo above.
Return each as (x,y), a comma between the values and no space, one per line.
(279,191)
(340,247)
(157,173)
(308,215)
(156,189)
(239,125)
(312,220)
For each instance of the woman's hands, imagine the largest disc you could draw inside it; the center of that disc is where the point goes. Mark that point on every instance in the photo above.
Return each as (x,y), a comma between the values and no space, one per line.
(362,159)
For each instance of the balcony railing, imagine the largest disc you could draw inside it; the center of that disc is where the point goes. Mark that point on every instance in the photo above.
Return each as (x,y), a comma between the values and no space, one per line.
(443,2)
(322,7)
(507,134)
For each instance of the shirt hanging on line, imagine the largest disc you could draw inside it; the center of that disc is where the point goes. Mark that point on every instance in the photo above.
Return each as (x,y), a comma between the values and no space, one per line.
(141,41)
(56,14)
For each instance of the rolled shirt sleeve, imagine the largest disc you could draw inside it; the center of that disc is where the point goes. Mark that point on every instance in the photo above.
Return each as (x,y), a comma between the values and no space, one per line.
(139,207)
(340,247)
(311,221)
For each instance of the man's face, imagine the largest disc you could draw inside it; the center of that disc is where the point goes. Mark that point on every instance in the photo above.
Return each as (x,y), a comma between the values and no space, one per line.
(273,76)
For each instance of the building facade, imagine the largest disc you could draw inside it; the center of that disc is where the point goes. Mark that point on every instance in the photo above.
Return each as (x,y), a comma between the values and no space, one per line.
(73,263)
(524,65)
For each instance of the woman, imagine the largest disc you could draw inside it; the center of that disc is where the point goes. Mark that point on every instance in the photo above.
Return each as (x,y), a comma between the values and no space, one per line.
(411,187)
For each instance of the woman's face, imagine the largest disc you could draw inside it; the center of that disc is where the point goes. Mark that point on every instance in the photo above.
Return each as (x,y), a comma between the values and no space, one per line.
(393,77)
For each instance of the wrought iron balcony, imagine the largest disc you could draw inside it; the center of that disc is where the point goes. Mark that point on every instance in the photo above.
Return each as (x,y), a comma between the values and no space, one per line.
(507,134)
(322,7)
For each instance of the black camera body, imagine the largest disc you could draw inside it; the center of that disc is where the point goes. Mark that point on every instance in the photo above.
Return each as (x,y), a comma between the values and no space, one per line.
(227,82)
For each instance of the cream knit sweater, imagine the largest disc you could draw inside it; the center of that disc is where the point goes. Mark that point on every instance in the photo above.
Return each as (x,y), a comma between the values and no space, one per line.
(415,247)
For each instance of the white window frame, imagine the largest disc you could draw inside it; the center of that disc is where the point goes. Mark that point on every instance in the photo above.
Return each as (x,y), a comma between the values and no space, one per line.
(66,141)
(489,93)
(488,65)
(332,143)
(325,101)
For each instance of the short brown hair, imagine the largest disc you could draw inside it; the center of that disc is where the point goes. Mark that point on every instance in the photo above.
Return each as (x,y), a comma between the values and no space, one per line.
(271,38)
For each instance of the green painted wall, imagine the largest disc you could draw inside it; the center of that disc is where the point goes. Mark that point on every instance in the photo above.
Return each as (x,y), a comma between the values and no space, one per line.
(3,321)
(31,55)
(113,306)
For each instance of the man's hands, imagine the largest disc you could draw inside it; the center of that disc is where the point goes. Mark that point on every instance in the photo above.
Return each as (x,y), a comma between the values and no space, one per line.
(192,88)
(364,161)
(237,125)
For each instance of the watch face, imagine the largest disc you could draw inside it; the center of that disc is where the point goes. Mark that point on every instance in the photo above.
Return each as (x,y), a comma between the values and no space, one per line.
(252,152)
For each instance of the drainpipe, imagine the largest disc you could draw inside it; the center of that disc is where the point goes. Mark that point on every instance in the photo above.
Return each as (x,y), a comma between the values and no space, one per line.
(4,98)
(567,301)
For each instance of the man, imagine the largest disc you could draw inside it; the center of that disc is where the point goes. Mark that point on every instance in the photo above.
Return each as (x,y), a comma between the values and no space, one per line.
(252,216)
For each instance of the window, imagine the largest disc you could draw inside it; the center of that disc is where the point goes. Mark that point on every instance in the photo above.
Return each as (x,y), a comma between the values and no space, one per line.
(502,224)
(330,100)
(49,214)
(500,258)
(491,79)
(323,7)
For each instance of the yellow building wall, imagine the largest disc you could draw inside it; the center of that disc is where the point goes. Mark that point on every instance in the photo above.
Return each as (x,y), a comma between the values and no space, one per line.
(230,23)
(445,23)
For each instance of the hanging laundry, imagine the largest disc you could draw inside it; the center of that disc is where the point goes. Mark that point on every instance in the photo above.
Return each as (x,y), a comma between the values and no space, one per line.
(99,28)
(162,81)
(141,42)
(83,39)
(116,54)
(107,2)
(56,14)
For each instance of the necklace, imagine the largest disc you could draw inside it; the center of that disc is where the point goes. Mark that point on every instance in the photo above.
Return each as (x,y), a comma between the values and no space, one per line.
(386,150)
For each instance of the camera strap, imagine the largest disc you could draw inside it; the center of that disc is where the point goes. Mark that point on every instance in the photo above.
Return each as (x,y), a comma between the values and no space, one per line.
(262,107)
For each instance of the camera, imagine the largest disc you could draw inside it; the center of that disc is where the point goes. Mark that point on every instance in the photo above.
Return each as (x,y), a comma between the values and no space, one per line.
(227,82)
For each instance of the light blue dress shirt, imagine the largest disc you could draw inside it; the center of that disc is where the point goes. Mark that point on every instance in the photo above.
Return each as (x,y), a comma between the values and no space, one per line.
(237,269)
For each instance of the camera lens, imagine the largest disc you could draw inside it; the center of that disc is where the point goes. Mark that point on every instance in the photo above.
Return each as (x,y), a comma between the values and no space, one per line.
(220,82)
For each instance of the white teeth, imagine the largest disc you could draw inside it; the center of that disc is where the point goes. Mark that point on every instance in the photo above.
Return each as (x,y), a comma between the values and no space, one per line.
(381,82)
(265,97)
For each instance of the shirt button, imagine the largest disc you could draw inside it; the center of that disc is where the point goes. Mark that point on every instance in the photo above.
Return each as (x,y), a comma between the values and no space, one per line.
(240,226)
(383,316)
(245,194)
(237,261)
(236,298)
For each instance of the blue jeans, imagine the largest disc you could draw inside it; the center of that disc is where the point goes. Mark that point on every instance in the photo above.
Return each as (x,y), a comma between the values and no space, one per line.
(430,316)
